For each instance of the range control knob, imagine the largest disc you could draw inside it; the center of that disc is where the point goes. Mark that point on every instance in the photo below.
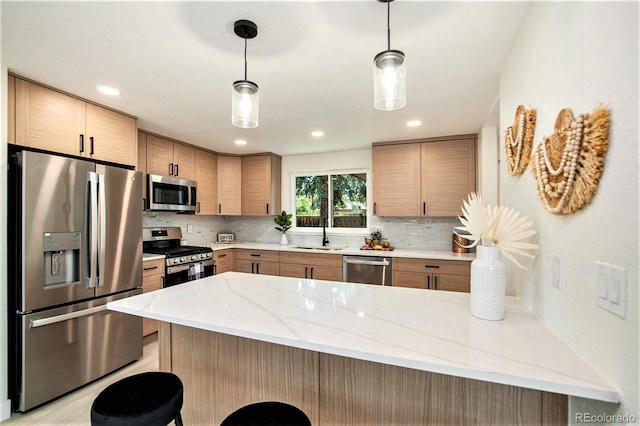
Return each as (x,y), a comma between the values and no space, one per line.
(182,259)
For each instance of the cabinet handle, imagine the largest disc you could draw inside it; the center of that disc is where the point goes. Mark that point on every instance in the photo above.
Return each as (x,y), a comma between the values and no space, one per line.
(312,272)
(163,281)
(375,208)
(424,207)
(198,208)
(257,268)
(432,266)
(253,266)
(91,141)
(220,256)
(150,268)
(435,282)
(170,169)
(176,170)
(428,282)
(255,254)
(81,143)
(267,208)
(306,269)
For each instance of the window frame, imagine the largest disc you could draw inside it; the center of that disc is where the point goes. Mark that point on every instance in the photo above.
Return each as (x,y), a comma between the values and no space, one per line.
(330,229)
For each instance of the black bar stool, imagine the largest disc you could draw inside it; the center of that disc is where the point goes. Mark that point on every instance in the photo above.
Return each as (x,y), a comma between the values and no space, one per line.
(270,413)
(149,399)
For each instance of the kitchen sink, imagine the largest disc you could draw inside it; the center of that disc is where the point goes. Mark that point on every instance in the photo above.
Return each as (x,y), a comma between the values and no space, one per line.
(325,248)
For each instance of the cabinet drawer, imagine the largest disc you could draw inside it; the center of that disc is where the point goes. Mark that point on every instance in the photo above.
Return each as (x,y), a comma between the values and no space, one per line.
(454,267)
(409,279)
(311,259)
(257,255)
(448,282)
(152,267)
(224,260)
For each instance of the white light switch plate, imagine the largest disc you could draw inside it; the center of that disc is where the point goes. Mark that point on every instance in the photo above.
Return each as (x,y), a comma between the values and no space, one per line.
(555,273)
(611,290)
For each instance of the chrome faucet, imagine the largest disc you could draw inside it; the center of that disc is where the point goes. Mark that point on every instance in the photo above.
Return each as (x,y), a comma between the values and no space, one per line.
(325,240)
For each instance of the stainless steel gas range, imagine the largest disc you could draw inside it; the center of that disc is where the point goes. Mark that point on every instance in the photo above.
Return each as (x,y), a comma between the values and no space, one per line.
(182,263)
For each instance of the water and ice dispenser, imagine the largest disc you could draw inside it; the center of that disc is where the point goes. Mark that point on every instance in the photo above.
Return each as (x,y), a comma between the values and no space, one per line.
(61,258)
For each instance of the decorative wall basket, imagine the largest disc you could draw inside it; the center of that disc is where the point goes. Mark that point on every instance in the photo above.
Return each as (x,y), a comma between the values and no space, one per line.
(518,142)
(568,164)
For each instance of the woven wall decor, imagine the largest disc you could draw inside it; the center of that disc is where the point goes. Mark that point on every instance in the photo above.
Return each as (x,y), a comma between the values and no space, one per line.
(518,146)
(568,164)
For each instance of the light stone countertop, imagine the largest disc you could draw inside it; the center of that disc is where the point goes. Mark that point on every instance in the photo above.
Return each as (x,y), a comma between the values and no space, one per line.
(149,256)
(415,328)
(420,254)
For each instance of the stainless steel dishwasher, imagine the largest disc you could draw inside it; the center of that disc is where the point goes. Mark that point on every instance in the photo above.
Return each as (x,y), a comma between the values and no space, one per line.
(366,269)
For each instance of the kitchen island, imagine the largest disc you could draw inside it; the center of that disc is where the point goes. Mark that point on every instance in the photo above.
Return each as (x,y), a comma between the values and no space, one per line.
(352,353)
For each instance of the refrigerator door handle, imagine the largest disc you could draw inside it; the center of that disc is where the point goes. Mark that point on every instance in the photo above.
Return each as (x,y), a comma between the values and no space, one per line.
(91,229)
(102,211)
(66,317)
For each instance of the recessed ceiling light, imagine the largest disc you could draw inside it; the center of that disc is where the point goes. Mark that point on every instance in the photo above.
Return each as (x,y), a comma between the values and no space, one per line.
(241,142)
(109,90)
(414,123)
(317,133)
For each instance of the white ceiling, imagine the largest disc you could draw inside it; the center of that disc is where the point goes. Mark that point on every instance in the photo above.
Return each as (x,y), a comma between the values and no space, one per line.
(174,63)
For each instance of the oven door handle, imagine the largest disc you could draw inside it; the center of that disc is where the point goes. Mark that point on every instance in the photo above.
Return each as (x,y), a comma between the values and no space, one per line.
(185,266)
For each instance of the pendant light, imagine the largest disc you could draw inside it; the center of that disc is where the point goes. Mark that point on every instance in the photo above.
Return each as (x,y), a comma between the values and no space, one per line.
(244,95)
(389,75)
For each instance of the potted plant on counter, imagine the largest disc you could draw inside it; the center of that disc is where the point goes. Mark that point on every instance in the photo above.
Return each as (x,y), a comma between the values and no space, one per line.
(283,220)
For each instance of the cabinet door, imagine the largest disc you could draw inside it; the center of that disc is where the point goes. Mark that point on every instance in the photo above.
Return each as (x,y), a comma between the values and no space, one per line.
(244,265)
(267,268)
(207,178)
(294,270)
(159,156)
(448,282)
(112,136)
(141,165)
(409,279)
(184,161)
(11,110)
(329,273)
(224,260)
(229,185)
(448,175)
(49,120)
(260,185)
(396,180)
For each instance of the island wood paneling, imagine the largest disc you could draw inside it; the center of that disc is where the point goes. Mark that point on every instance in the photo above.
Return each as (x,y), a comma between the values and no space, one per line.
(222,373)
(232,372)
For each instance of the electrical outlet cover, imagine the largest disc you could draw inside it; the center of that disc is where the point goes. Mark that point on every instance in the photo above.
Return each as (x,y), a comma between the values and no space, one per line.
(611,290)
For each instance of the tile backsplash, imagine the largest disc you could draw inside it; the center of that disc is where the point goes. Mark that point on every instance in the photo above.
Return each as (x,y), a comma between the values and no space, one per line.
(408,233)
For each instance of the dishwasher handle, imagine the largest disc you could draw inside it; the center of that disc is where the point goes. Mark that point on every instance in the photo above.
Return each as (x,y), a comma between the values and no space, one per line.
(383,262)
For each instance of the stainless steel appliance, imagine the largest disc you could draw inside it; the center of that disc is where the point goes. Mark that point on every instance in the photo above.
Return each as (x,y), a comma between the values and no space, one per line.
(171,193)
(366,269)
(182,263)
(75,244)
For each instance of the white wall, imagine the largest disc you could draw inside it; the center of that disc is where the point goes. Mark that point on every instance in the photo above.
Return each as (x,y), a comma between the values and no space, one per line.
(5,409)
(576,55)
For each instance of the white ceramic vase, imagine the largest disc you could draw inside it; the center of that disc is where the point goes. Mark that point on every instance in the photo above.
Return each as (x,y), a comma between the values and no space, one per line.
(283,240)
(487,284)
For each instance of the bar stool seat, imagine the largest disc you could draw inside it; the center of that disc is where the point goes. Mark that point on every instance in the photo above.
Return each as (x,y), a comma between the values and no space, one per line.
(269,413)
(149,399)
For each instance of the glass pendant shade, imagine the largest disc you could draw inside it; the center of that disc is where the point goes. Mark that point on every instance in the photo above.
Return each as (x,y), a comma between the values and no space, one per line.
(389,80)
(245,104)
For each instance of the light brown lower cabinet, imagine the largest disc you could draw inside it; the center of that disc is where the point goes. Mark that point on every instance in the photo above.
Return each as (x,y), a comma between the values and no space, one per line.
(152,279)
(265,262)
(308,265)
(448,275)
(223,260)
(222,373)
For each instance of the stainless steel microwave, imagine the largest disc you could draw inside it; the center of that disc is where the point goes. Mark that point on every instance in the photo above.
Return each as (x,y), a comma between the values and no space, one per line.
(170,193)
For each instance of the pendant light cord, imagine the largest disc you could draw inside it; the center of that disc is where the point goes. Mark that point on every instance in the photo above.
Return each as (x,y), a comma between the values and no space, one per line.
(388,25)
(245,59)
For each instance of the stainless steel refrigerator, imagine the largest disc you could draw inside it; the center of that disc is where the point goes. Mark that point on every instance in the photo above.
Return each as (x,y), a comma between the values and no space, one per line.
(75,243)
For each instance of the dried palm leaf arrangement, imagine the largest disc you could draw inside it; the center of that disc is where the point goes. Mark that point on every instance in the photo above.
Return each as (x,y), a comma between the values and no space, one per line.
(519,146)
(568,164)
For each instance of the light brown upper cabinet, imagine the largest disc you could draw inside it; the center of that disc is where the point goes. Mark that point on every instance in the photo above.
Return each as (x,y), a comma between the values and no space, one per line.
(207,178)
(261,184)
(431,177)
(229,185)
(11,110)
(168,158)
(54,121)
